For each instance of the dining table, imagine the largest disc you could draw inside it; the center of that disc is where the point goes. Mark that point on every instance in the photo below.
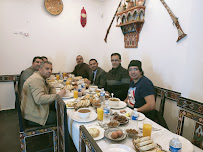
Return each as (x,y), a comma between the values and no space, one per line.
(159,134)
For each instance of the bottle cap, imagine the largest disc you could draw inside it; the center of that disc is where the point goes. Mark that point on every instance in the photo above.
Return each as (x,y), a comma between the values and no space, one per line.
(135,109)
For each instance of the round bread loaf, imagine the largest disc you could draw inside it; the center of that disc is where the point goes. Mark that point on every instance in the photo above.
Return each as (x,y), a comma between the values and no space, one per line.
(94,132)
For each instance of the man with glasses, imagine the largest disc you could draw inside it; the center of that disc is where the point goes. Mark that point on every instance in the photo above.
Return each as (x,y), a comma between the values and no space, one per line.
(97,74)
(118,80)
(81,69)
(141,92)
(28,72)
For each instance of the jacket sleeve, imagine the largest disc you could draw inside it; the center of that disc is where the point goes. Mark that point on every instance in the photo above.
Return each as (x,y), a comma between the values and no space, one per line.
(38,93)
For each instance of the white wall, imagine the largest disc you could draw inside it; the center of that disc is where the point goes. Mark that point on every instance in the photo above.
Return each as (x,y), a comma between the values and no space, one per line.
(172,65)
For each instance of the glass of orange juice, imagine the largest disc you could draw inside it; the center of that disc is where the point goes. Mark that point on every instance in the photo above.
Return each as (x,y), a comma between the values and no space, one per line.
(64,74)
(147,128)
(67,82)
(57,77)
(100,113)
(75,94)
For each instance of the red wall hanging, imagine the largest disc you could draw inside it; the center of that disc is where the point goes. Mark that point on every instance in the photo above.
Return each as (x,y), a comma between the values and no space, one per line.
(83,19)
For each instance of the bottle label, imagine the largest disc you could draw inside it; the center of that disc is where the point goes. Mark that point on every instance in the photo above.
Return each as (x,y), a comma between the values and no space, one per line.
(172,149)
(134,118)
(106,110)
(102,94)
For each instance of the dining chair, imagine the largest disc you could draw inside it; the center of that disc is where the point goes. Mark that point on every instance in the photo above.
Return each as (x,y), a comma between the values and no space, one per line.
(87,140)
(64,138)
(193,110)
(165,94)
(32,139)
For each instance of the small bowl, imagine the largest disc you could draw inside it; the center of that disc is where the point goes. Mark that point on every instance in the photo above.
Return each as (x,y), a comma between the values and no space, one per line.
(93,88)
(113,101)
(131,132)
(84,113)
(113,124)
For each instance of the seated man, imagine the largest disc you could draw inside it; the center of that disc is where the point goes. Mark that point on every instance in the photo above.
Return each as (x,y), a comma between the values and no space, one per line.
(44,58)
(81,69)
(28,72)
(141,94)
(117,79)
(38,97)
(97,74)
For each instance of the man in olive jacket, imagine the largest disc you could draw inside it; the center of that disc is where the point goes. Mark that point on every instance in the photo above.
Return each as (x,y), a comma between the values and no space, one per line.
(38,96)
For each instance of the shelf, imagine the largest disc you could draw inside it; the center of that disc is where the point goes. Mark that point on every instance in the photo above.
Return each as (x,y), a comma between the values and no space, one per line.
(130,9)
(136,21)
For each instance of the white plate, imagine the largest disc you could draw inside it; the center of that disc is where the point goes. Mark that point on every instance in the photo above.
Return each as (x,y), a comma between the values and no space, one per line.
(101,134)
(67,101)
(118,148)
(77,118)
(68,97)
(141,116)
(121,105)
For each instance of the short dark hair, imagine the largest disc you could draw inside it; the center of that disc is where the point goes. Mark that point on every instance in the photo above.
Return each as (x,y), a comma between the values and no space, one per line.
(42,63)
(44,57)
(93,60)
(113,54)
(35,58)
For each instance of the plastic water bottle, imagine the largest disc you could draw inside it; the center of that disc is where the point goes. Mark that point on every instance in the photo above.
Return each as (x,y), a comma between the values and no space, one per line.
(60,75)
(79,91)
(102,96)
(134,116)
(175,145)
(106,108)
(83,88)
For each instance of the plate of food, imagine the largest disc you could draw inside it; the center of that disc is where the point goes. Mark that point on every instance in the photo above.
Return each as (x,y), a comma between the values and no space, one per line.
(118,147)
(122,119)
(70,103)
(96,132)
(140,117)
(142,144)
(68,95)
(115,134)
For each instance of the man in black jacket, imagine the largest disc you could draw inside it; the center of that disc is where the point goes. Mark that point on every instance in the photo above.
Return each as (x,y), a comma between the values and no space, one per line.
(117,80)
(81,69)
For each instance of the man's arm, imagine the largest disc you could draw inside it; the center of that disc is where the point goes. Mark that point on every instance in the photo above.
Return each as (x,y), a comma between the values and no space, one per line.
(150,104)
(38,93)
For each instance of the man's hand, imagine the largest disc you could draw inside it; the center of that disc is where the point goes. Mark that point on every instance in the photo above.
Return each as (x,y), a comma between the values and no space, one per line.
(62,93)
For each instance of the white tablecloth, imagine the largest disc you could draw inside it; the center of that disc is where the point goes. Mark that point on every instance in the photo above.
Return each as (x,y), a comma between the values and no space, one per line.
(161,137)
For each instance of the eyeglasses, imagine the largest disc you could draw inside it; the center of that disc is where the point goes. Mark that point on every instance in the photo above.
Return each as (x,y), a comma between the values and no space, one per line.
(133,69)
(115,60)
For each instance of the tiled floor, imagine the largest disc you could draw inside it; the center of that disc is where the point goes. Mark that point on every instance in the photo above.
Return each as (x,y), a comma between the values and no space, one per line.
(9,132)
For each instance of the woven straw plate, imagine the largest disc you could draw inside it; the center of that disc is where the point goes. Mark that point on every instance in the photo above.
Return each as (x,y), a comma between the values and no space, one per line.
(54,7)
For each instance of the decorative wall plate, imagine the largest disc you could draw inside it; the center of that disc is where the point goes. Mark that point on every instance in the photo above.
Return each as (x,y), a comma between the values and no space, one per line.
(54,7)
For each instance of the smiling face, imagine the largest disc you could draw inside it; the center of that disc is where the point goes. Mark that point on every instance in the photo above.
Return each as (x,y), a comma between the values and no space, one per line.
(135,73)
(93,65)
(36,64)
(79,59)
(46,70)
(115,61)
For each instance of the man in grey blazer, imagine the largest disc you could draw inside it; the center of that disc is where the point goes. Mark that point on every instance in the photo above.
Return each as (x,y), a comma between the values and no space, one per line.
(96,75)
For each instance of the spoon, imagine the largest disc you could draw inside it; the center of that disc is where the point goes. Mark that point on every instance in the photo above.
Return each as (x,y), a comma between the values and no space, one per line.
(112,95)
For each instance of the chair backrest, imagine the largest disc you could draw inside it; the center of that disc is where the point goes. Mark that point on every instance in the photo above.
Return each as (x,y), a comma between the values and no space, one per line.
(62,125)
(20,118)
(87,140)
(166,94)
(193,110)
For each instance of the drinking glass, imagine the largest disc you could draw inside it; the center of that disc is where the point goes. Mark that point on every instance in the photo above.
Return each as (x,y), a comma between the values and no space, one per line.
(75,94)
(57,77)
(147,128)
(100,113)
